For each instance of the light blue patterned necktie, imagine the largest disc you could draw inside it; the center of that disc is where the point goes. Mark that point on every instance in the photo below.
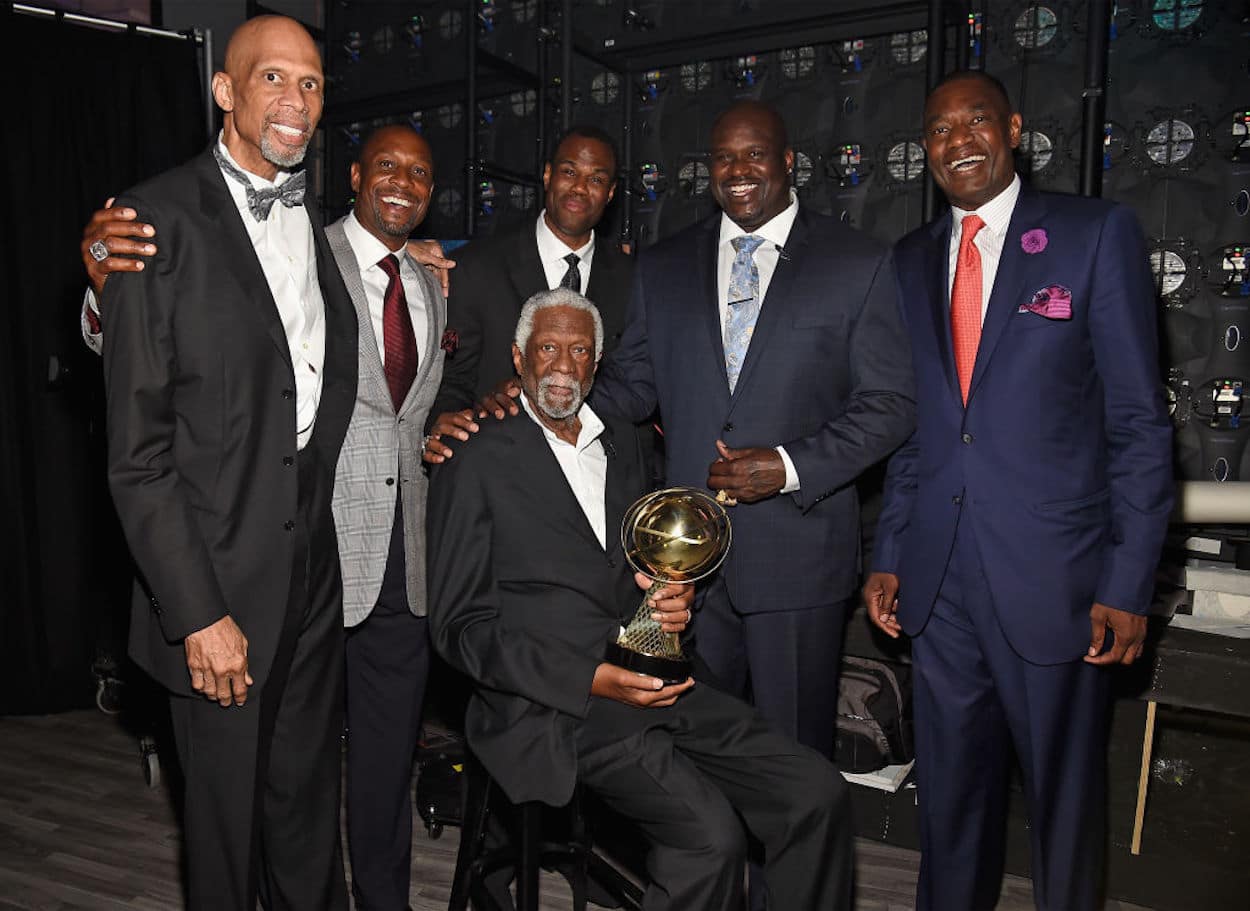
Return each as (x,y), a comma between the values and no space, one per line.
(744,304)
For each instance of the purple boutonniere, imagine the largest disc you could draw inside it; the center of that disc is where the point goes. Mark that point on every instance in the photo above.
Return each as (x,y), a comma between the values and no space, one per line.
(450,342)
(1034,241)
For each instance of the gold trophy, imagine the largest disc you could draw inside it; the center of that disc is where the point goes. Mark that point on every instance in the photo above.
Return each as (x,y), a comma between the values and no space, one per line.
(680,534)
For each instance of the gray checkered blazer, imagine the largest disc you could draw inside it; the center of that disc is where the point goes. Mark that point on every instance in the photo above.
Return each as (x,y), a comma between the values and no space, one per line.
(381,445)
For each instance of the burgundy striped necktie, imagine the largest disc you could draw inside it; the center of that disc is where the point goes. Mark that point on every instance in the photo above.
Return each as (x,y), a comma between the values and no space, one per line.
(398,340)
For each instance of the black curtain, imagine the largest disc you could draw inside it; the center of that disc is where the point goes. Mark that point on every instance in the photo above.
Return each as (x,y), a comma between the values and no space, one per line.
(88,113)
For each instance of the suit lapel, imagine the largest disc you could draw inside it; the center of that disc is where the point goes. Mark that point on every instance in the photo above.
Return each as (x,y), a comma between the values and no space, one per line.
(937,280)
(618,491)
(525,268)
(1006,293)
(349,268)
(427,347)
(339,369)
(708,299)
(538,462)
(219,208)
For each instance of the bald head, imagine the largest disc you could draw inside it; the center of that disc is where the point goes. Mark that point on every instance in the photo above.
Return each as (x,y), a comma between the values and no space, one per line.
(750,164)
(271,92)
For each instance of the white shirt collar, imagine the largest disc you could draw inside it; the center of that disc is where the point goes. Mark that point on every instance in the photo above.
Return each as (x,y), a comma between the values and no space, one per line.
(367,248)
(592,426)
(996,213)
(551,248)
(257,181)
(776,229)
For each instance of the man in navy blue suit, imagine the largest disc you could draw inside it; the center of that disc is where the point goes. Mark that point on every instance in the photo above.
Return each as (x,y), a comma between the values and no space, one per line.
(1022,522)
(770,338)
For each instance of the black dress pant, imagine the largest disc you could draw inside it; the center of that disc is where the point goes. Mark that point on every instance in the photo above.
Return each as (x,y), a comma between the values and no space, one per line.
(387,661)
(686,773)
(262,779)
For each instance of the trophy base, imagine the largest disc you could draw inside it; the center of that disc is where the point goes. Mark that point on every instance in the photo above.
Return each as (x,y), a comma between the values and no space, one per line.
(670,670)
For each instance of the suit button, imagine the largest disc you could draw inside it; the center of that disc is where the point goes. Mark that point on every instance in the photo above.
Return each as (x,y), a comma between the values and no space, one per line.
(287,393)
(390,482)
(611,563)
(957,500)
(289,525)
(729,426)
(967,438)
(288,461)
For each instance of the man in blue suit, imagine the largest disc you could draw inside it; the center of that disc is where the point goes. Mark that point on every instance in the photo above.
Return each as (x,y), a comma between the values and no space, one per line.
(1022,522)
(770,338)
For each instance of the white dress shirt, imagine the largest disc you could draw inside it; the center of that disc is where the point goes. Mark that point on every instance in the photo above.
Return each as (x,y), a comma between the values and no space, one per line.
(989,240)
(585,465)
(552,250)
(775,231)
(369,251)
(284,245)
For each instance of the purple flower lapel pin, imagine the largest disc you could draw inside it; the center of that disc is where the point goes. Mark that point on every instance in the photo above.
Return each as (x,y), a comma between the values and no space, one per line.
(1034,241)
(1052,302)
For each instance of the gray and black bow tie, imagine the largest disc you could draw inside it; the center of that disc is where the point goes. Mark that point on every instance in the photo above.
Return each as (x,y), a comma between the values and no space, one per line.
(260,202)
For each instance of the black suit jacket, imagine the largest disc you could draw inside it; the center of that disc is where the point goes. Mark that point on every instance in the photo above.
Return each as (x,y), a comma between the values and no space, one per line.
(491,282)
(201,421)
(523,598)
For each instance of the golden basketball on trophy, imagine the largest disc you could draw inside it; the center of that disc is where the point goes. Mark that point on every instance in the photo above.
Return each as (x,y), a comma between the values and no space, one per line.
(680,534)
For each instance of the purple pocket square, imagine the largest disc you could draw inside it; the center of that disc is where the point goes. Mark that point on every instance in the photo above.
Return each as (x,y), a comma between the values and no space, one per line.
(1052,302)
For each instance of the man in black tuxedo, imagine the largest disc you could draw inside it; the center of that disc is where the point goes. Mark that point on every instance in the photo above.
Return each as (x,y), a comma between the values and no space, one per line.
(496,275)
(528,584)
(230,374)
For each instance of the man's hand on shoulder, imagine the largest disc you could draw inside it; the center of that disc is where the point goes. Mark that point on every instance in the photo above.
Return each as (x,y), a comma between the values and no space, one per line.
(880,594)
(458,425)
(1128,635)
(429,253)
(632,688)
(125,239)
(217,662)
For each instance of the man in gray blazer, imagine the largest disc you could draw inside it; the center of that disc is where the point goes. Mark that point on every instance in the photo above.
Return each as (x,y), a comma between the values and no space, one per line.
(379,497)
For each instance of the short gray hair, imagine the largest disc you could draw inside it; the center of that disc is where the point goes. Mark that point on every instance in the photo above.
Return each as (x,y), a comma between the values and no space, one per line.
(556,297)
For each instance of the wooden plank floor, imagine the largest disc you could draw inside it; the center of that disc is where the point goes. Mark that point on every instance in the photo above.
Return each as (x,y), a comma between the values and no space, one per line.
(81,831)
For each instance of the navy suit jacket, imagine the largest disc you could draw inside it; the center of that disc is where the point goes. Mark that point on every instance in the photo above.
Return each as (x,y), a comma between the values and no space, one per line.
(827,375)
(1061,461)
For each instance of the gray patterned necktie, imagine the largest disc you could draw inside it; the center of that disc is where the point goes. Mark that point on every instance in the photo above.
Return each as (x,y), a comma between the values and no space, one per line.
(744,304)
(573,277)
(259,202)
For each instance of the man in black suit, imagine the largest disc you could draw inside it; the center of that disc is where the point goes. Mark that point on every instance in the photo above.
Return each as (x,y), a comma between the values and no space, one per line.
(230,374)
(496,275)
(528,584)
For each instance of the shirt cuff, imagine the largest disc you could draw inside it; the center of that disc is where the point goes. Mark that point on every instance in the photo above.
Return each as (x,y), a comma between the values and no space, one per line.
(792,476)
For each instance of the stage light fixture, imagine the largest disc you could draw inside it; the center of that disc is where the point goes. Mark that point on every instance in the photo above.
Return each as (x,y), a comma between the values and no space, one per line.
(905,162)
(414,30)
(383,39)
(450,115)
(693,177)
(853,55)
(486,13)
(450,24)
(605,87)
(1230,277)
(803,170)
(415,120)
(798,62)
(524,10)
(909,48)
(652,83)
(522,197)
(450,202)
(1037,151)
(695,77)
(486,195)
(1176,15)
(653,181)
(746,71)
(523,104)
(1175,266)
(352,133)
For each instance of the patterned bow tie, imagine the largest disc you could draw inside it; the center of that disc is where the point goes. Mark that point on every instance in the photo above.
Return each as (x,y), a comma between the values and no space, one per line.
(260,202)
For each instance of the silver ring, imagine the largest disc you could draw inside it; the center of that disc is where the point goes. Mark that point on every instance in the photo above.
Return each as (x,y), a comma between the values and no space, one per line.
(98,251)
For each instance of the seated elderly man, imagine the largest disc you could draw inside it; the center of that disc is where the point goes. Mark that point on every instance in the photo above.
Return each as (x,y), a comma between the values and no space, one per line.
(527,586)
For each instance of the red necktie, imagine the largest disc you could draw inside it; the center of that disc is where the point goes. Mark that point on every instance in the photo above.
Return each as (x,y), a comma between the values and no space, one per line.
(398,340)
(966,303)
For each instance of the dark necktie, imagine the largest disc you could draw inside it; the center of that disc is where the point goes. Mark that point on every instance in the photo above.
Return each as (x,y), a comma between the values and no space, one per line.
(259,202)
(398,340)
(572,278)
